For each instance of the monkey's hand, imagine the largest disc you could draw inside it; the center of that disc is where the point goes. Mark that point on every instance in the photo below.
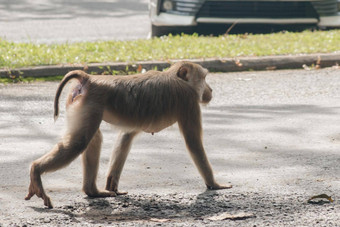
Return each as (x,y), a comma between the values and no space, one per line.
(217,186)
(39,191)
(111,185)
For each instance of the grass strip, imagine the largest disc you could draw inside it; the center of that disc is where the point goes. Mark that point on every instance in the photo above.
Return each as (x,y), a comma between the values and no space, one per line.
(14,55)
(9,80)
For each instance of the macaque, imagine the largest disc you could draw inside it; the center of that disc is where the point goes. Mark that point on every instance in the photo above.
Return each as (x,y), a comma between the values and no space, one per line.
(146,102)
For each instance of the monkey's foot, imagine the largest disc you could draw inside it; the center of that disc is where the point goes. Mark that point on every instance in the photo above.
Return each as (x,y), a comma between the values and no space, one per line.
(120,193)
(219,186)
(112,185)
(101,193)
(39,191)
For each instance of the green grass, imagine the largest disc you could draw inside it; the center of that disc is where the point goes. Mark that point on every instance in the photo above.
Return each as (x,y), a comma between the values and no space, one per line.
(9,80)
(14,55)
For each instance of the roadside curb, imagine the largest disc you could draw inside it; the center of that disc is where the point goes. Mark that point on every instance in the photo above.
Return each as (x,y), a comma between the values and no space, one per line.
(213,64)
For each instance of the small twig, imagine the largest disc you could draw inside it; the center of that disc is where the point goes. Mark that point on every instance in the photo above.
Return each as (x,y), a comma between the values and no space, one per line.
(231,27)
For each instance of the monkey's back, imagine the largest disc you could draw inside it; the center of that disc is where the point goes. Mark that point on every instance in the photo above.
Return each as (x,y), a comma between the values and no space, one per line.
(149,98)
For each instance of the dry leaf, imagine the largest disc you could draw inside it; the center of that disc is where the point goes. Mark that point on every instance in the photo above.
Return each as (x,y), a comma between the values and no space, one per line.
(318,62)
(238,63)
(244,79)
(313,199)
(161,220)
(336,66)
(271,68)
(238,216)
(140,68)
(304,66)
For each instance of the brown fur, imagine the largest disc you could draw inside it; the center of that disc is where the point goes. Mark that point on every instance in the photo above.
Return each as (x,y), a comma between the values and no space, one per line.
(146,102)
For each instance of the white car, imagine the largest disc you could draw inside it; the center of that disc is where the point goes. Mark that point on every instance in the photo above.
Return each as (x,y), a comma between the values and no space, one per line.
(170,15)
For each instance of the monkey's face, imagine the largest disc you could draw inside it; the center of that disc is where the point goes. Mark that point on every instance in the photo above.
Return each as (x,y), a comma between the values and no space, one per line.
(195,75)
(207,94)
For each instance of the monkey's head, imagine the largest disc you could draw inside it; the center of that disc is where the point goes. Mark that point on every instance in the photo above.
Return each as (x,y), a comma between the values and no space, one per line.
(195,75)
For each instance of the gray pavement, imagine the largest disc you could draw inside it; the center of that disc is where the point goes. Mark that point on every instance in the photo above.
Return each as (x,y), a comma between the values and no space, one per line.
(46,21)
(274,135)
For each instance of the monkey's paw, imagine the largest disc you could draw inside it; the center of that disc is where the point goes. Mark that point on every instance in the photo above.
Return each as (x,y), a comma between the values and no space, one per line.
(112,186)
(35,190)
(101,193)
(217,186)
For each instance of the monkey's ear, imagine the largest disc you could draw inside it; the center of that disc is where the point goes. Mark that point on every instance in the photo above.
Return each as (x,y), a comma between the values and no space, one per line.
(182,73)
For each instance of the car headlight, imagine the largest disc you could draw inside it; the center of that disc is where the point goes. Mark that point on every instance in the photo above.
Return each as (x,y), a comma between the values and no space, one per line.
(167,5)
(180,7)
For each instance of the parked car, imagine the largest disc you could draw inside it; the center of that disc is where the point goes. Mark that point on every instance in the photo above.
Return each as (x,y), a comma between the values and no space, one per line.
(171,15)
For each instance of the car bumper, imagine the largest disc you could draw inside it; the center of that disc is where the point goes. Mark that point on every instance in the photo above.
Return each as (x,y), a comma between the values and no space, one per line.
(166,19)
(257,20)
(330,21)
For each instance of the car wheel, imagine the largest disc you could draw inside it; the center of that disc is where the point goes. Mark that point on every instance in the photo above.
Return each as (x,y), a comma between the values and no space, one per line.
(157,31)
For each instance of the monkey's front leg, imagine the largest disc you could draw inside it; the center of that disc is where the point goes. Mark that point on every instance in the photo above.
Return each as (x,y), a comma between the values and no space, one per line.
(118,159)
(194,144)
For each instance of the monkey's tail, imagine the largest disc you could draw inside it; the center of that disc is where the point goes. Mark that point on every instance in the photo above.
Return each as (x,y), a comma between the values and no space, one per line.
(76,74)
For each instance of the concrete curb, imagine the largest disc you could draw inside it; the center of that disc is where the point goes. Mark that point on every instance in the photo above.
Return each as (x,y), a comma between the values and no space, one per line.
(214,65)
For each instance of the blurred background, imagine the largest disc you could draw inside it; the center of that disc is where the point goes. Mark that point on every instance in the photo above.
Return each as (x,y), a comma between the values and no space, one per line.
(85,20)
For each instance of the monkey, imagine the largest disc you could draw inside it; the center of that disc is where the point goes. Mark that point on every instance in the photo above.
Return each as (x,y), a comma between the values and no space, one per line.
(147,102)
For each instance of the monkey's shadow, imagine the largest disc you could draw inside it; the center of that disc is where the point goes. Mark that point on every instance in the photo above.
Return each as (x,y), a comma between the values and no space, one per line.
(144,207)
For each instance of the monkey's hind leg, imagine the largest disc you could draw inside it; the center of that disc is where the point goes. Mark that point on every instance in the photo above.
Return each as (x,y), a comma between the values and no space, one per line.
(117,161)
(90,167)
(60,156)
(71,146)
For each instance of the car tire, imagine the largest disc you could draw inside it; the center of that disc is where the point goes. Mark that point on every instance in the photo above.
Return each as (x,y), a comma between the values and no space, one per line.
(157,31)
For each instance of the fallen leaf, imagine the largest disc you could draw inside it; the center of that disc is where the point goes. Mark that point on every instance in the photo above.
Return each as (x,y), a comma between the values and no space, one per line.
(304,66)
(336,66)
(271,68)
(140,68)
(318,62)
(225,215)
(238,63)
(161,220)
(318,199)
(244,79)
(223,60)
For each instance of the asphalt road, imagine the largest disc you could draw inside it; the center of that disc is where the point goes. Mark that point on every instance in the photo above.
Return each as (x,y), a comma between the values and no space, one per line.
(46,21)
(274,135)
